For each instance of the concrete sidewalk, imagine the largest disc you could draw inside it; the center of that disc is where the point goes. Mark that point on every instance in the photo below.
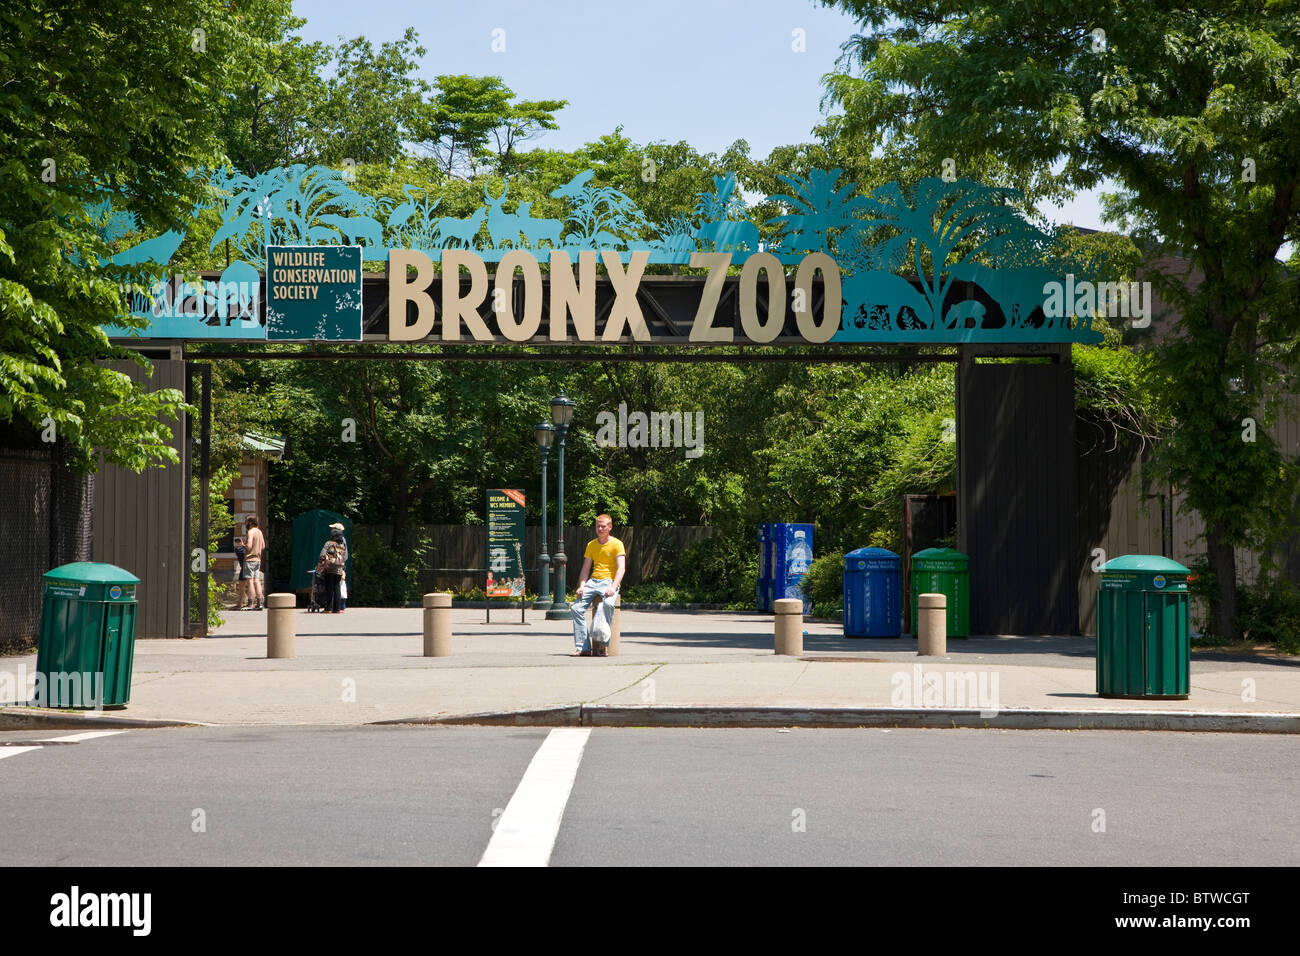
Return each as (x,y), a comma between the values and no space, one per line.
(697,668)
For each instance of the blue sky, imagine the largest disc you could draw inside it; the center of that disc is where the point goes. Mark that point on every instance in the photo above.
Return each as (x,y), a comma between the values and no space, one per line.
(708,72)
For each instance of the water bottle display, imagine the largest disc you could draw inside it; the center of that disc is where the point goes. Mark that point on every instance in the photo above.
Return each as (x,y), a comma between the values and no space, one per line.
(785,555)
(798,558)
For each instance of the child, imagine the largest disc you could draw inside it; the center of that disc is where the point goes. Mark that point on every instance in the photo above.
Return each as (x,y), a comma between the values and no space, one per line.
(241,572)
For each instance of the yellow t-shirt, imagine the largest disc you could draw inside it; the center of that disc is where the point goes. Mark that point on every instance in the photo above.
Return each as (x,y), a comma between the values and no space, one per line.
(604,563)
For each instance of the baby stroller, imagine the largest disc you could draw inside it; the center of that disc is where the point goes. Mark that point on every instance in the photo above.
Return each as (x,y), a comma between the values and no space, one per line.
(318,595)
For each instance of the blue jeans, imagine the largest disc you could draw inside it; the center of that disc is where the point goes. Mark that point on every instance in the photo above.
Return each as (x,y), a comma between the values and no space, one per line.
(579,607)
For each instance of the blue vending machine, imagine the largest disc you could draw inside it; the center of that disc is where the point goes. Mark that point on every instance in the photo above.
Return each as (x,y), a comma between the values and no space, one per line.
(792,555)
(764,587)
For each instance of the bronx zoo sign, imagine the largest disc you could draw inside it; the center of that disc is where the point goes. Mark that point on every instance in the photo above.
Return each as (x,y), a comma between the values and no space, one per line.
(575,298)
(935,262)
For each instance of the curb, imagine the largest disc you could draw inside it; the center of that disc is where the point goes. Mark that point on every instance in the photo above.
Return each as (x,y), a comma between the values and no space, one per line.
(599,715)
(544,717)
(35,718)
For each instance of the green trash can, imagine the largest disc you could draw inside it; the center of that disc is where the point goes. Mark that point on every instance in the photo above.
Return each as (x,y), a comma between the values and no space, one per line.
(944,571)
(87,636)
(1143,631)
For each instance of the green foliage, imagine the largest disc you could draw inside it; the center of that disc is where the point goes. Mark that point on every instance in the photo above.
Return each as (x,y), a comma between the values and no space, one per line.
(473,121)
(824,584)
(720,569)
(1269,613)
(1200,131)
(112,98)
(220,523)
(655,592)
(380,577)
(1122,389)
(922,460)
(268,122)
(849,441)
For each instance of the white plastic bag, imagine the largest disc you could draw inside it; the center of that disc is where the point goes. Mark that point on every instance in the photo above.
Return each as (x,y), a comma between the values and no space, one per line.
(599,624)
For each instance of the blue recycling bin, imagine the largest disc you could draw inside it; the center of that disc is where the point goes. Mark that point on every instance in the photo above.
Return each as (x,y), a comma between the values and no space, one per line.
(872,589)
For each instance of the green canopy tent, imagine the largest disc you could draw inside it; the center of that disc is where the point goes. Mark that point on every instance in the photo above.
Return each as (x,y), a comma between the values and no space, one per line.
(310,531)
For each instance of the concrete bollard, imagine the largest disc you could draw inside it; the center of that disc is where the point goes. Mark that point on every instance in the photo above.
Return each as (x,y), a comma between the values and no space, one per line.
(789,626)
(437,625)
(932,625)
(615,628)
(280,625)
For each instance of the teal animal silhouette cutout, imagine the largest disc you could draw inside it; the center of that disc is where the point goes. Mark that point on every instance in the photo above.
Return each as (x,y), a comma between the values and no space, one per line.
(462,231)
(967,314)
(411,224)
(876,300)
(158,250)
(537,231)
(602,216)
(502,226)
(359,231)
(238,291)
(1018,292)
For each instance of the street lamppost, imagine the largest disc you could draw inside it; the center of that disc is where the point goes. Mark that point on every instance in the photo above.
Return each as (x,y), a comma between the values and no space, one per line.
(545,435)
(561,415)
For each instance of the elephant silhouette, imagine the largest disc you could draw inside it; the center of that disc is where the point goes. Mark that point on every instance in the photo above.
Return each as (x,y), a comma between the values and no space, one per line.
(960,314)
(867,293)
(238,290)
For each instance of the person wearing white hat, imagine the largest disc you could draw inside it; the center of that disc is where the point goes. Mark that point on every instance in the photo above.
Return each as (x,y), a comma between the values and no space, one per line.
(330,566)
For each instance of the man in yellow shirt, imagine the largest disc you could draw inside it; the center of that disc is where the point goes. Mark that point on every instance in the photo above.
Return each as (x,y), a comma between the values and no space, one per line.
(603,563)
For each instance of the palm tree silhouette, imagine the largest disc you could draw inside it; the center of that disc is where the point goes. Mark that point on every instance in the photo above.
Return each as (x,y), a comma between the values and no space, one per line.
(931,220)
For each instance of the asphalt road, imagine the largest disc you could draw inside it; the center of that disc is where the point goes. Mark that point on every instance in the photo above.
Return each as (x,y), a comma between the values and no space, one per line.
(431,796)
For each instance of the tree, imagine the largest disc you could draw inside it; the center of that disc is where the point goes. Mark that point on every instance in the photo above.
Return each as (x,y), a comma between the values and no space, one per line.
(470,118)
(270,123)
(1194,111)
(373,102)
(112,99)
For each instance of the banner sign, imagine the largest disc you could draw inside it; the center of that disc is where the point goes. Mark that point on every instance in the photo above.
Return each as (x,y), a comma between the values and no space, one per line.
(313,292)
(936,261)
(505,543)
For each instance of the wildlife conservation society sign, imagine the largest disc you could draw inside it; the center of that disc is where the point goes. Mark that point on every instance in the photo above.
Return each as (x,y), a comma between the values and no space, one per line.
(313,292)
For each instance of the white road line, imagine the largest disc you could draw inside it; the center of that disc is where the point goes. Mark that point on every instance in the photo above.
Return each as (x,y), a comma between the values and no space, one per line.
(88,735)
(14,751)
(526,831)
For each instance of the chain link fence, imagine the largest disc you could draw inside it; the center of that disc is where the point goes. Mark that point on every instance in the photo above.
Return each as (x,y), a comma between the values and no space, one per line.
(45,521)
